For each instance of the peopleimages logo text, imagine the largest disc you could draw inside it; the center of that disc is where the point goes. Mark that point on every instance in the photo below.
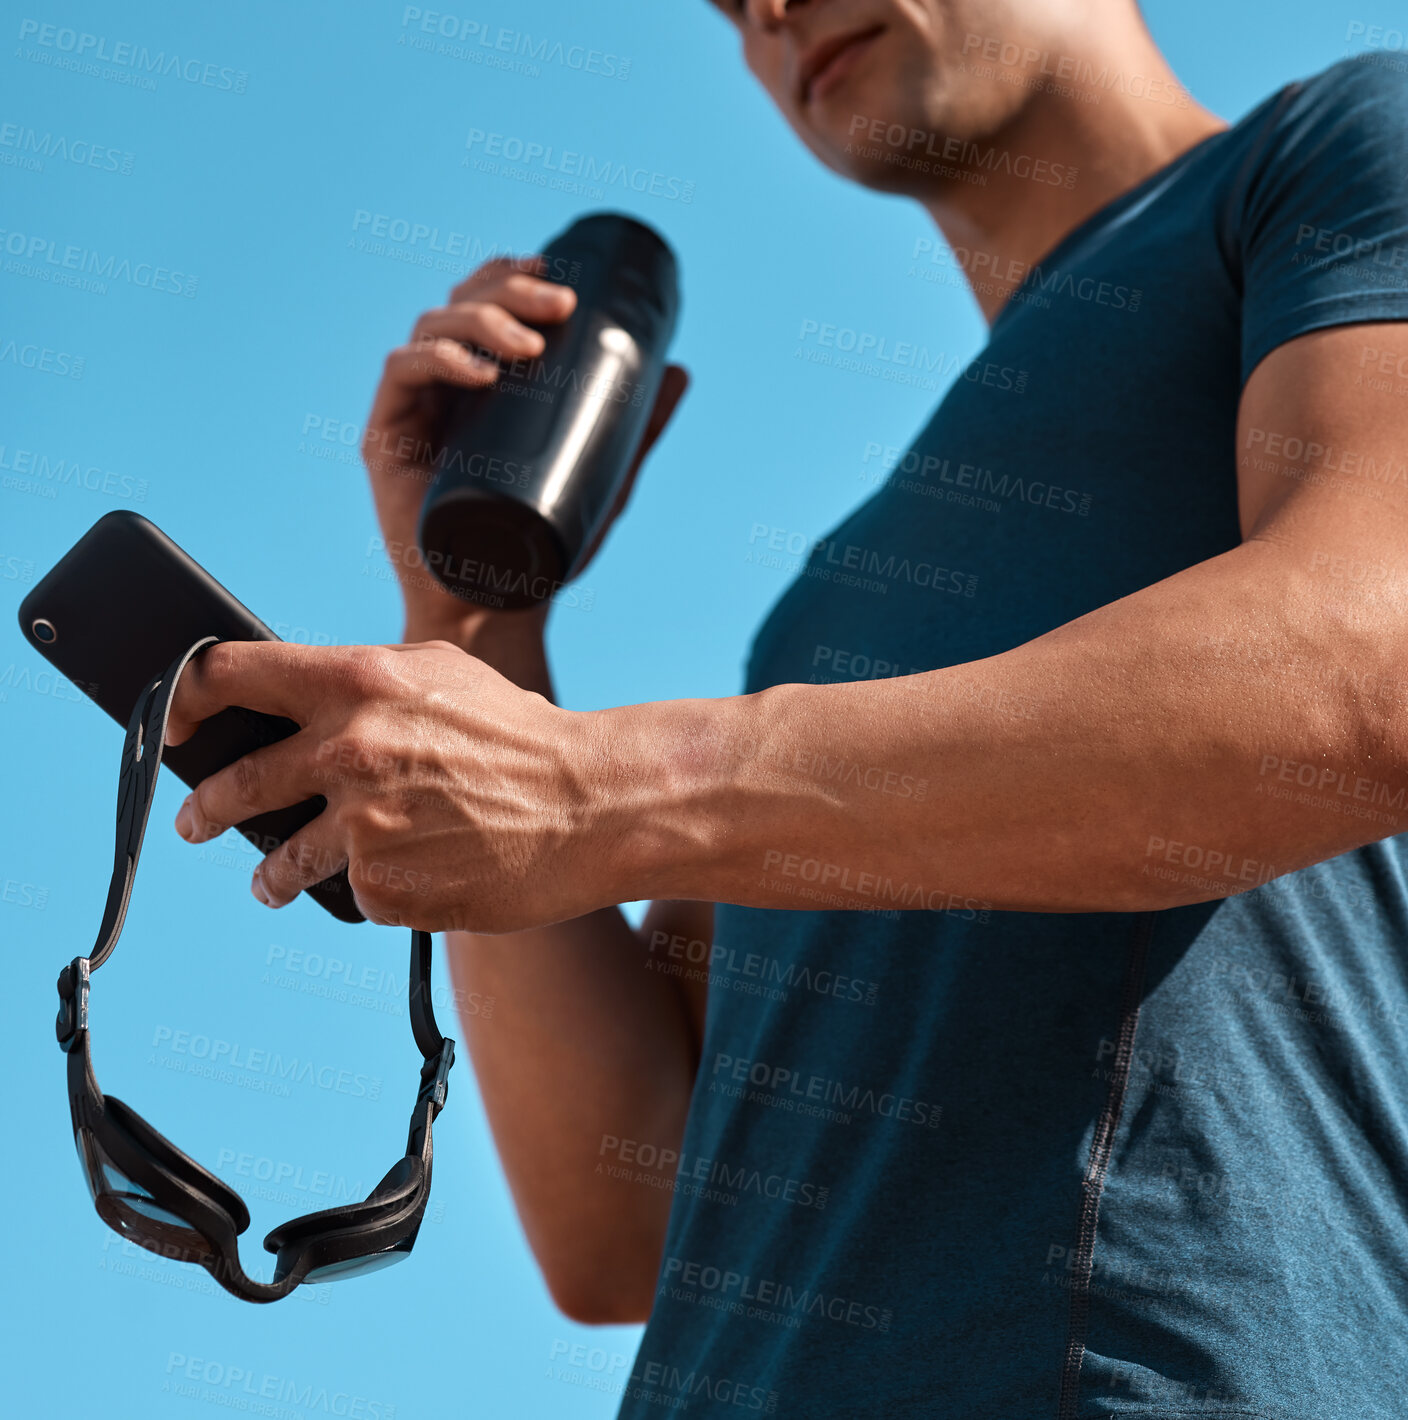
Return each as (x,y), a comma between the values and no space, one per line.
(124,54)
(800,1300)
(853,1098)
(48,255)
(609,172)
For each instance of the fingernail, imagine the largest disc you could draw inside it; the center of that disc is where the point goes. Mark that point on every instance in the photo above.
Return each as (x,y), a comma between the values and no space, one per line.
(260,891)
(186,820)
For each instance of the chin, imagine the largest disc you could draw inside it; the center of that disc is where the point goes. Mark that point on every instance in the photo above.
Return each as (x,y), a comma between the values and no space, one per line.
(887,128)
(866,133)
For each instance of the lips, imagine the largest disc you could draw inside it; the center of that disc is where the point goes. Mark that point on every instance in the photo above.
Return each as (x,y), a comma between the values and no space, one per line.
(831,57)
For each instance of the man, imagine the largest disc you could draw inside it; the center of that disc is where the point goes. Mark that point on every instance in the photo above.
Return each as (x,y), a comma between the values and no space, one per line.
(1056,1043)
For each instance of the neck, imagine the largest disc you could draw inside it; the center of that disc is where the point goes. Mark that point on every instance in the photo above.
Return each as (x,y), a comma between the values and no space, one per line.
(1010,224)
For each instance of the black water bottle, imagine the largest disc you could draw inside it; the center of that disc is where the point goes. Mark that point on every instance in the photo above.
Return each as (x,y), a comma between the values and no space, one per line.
(532,465)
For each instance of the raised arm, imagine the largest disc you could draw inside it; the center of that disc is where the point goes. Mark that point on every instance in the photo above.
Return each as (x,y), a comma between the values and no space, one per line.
(582,1044)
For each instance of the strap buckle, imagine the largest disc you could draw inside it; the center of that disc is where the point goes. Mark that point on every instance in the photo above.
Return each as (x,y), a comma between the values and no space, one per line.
(74,981)
(434,1076)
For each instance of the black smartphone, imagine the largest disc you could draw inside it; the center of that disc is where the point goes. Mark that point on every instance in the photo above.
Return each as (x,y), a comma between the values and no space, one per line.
(118,607)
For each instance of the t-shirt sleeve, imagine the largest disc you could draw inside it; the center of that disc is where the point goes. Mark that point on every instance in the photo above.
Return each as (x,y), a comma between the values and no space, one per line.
(1323,229)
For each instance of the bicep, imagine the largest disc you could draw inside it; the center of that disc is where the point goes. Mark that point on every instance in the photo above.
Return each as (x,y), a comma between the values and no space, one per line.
(1322,455)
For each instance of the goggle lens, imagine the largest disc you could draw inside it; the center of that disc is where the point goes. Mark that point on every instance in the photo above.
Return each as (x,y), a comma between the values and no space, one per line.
(356,1266)
(123,1191)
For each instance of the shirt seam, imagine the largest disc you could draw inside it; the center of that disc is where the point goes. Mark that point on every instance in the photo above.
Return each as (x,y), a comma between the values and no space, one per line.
(1231,217)
(1097,1165)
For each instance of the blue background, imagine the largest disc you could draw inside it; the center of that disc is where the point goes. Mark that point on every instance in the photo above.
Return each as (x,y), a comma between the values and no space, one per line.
(230,418)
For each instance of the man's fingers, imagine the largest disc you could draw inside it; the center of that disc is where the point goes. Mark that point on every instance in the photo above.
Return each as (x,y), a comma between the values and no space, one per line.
(274,777)
(673,383)
(515,285)
(273,676)
(490,272)
(415,366)
(487,311)
(413,386)
(536,300)
(493,270)
(312,854)
(488,327)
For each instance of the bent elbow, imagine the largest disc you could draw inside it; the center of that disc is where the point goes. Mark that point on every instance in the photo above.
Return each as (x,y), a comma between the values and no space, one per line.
(600,1299)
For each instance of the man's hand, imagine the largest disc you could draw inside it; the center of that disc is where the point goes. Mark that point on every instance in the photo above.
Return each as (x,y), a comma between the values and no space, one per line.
(455,799)
(493,310)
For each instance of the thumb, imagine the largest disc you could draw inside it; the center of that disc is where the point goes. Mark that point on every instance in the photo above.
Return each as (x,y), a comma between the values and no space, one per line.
(673,384)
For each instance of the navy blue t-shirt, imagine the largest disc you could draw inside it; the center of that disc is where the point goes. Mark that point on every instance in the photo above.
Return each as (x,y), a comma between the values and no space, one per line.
(987,1165)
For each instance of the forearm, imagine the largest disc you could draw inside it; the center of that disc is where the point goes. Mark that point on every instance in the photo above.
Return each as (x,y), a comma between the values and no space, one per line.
(1054,777)
(575,1042)
(583,1046)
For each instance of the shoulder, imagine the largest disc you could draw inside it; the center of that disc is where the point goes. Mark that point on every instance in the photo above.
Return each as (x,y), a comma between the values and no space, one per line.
(1333,143)
(1317,225)
(1358,98)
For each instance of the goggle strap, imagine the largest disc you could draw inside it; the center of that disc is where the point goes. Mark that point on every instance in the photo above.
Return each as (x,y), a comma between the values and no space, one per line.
(422,1009)
(142,750)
